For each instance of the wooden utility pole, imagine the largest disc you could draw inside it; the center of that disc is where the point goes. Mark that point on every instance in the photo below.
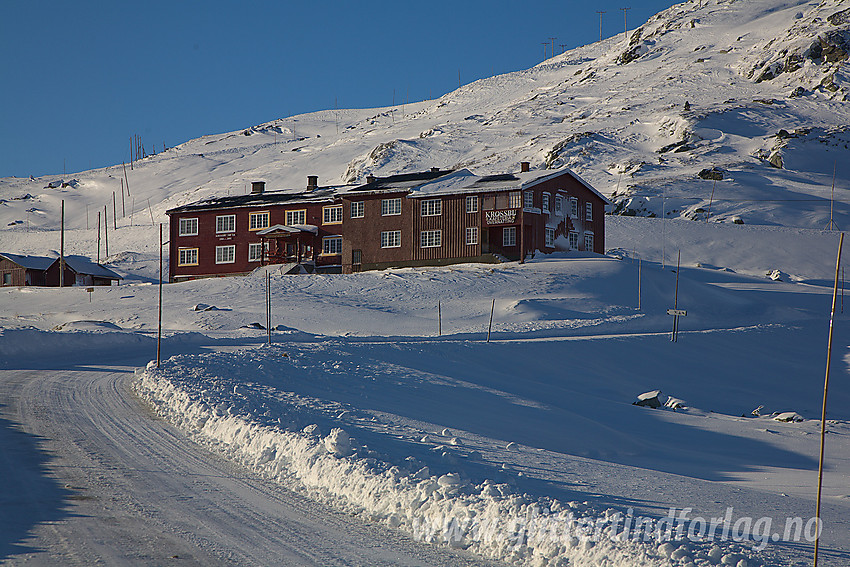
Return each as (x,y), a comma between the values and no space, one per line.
(268,306)
(114,213)
(159,317)
(98,237)
(62,246)
(600,12)
(825,390)
(832,224)
(625,22)
(123,208)
(639,278)
(105,232)
(126,181)
(545,45)
(490,327)
(710,201)
(552,39)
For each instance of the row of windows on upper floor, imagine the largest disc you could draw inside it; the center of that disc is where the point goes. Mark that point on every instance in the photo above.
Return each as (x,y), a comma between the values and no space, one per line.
(434,238)
(332,214)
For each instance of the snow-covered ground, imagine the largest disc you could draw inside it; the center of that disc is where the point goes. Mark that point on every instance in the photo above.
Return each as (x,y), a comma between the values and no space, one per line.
(526,448)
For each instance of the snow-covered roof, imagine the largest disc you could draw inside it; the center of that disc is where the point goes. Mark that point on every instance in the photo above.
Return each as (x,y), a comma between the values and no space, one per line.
(28,262)
(464,181)
(258,199)
(396,183)
(84,265)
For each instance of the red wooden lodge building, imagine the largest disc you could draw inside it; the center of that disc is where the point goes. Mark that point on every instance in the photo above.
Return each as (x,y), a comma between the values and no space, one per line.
(418,219)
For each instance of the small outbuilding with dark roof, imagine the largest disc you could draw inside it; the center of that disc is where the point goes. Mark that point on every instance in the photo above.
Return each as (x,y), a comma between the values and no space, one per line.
(80,271)
(19,270)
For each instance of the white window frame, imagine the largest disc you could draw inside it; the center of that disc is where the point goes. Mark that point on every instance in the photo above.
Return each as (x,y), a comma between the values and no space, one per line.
(188,226)
(549,235)
(573,207)
(296,216)
(588,211)
(225,254)
(546,202)
(184,256)
(471,235)
(514,199)
(573,240)
(358,209)
(256,220)
(391,239)
(559,205)
(391,207)
(431,207)
(509,236)
(588,241)
(255,251)
(331,214)
(332,245)
(472,203)
(225,224)
(430,238)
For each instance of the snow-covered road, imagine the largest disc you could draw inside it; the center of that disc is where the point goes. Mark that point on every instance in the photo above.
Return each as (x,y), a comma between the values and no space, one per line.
(90,476)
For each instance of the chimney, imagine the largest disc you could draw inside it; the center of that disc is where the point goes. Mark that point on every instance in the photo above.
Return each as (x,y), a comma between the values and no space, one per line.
(435,170)
(524,166)
(371,178)
(258,187)
(312,182)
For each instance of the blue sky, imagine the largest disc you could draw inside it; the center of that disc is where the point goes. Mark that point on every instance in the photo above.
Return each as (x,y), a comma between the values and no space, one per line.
(80,78)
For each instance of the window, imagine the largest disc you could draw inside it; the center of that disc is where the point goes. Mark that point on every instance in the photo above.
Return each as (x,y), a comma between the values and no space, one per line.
(559,205)
(391,239)
(472,204)
(573,241)
(550,237)
(189,227)
(332,245)
(258,221)
(225,223)
(296,217)
(471,235)
(187,257)
(546,198)
(255,251)
(225,254)
(588,211)
(588,242)
(357,257)
(358,210)
(432,207)
(7,278)
(514,199)
(331,215)
(528,201)
(391,206)
(573,207)
(509,236)
(430,238)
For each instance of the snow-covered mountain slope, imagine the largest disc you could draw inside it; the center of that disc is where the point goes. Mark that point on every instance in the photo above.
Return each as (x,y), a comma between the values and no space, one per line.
(739,86)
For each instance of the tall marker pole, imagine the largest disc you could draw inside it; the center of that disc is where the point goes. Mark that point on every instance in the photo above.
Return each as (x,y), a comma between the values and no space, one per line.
(159,318)
(490,327)
(62,248)
(825,389)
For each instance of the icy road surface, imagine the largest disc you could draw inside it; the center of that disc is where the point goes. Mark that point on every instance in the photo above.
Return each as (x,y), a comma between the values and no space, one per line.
(89,476)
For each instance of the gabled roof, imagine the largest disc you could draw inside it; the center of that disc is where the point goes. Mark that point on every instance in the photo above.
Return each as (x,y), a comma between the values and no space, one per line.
(84,266)
(464,181)
(322,194)
(398,183)
(28,262)
(291,229)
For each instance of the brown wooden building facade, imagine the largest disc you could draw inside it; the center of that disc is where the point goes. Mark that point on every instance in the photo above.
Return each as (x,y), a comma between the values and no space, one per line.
(428,218)
(236,235)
